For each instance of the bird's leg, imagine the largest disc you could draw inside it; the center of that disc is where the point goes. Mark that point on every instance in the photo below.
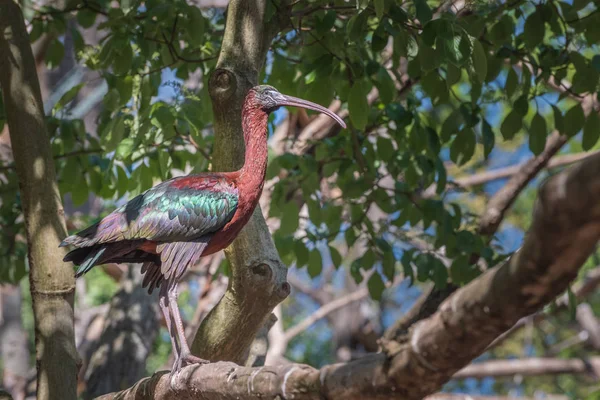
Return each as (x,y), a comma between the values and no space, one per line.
(164,307)
(185,355)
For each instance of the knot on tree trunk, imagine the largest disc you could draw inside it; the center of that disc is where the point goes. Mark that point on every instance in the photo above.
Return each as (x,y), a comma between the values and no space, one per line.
(225,86)
(222,85)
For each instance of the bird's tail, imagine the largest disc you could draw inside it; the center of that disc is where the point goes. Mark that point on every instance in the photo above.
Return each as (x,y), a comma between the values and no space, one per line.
(86,258)
(120,252)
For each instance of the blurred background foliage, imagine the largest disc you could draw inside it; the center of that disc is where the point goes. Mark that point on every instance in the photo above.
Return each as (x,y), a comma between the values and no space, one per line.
(435,94)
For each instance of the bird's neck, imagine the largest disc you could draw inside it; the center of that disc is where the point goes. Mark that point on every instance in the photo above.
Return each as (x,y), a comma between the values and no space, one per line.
(252,174)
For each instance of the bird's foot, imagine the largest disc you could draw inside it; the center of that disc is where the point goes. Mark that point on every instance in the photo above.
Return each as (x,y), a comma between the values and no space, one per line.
(185,359)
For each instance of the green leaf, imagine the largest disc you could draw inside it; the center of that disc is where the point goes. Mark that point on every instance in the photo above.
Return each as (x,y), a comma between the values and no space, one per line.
(463,146)
(289,218)
(116,131)
(315,263)
(196,26)
(512,80)
(511,125)
(122,181)
(385,149)
(301,253)
(122,63)
(494,66)
(574,120)
(336,257)
(376,286)
(596,62)
(591,131)
(80,192)
(439,273)
(37,29)
(385,85)
(379,7)
(163,118)
(479,61)
(165,163)
(54,54)
(358,106)
(442,179)
(125,148)
(423,11)
(453,74)
(521,105)
(534,30)
(428,58)
(86,18)
(489,138)
(125,88)
(68,96)
(451,125)
(537,134)
(559,123)
(389,265)
(111,99)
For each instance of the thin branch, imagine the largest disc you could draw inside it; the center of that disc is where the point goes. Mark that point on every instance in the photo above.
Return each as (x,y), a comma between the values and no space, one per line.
(58,157)
(325,310)
(484,177)
(530,367)
(505,197)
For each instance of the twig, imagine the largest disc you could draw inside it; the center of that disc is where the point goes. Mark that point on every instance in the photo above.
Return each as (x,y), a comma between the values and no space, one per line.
(530,367)
(58,157)
(326,309)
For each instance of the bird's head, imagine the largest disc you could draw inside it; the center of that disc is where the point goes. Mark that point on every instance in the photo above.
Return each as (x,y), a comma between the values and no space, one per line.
(269,99)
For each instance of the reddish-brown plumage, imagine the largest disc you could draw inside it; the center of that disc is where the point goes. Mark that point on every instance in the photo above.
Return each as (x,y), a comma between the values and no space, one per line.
(249,180)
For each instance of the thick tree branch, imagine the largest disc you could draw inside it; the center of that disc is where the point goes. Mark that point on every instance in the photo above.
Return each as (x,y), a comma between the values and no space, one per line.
(580,290)
(564,232)
(258,281)
(52,282)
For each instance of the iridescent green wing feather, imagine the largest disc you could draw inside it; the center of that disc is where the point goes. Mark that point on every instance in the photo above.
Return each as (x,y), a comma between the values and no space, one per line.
(178,210)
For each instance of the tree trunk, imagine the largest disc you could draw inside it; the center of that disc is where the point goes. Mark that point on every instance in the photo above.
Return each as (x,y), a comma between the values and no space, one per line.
(52,281)
(13,340)
(119,358)
(258,277)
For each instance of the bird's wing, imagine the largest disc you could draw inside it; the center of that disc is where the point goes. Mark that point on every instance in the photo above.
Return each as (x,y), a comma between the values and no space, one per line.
(178,210)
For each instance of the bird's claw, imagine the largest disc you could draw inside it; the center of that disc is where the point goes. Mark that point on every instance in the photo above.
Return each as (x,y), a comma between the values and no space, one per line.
(185,360)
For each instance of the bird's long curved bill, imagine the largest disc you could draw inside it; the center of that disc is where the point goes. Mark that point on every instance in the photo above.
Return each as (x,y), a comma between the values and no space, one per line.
(296,102)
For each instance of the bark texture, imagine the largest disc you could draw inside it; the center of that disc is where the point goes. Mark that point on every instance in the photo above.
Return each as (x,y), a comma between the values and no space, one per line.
(13,342)
(564,232)
(258,277)
(52,281)
(119,358)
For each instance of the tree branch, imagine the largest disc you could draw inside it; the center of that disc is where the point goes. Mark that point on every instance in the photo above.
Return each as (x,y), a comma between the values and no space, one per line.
(564,232)
(323,311)
(258,280)
(589,284)
(530,367)
(505,197)
(453,396)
